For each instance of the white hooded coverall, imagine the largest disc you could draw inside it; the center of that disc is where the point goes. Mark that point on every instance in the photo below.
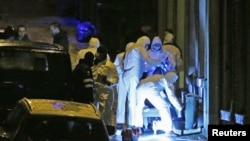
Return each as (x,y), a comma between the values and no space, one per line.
(121,90)
(150,88)
(158,53)
(93,44)
(134,66)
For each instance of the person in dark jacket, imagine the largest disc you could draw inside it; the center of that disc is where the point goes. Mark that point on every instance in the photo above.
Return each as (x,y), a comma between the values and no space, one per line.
(21,33)
(83,80)
(59,35)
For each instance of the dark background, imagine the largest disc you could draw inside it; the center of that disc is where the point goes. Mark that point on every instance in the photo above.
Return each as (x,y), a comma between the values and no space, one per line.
(114,19)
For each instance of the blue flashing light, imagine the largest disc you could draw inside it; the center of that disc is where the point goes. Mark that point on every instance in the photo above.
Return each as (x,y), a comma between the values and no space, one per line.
(85,30)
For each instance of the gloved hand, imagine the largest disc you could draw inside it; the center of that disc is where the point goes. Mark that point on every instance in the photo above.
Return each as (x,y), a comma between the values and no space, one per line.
(171,77)
(166,66)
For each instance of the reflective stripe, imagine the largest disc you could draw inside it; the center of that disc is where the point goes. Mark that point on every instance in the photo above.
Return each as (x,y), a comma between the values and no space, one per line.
(89,86)
(88,80)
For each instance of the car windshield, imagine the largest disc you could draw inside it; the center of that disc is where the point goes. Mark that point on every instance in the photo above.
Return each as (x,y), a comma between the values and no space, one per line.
(64,129)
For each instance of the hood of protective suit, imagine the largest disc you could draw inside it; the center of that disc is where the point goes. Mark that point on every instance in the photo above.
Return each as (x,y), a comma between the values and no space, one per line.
(129,46)
(168,38)
(156,41)
(142,41)
(94,42)
(171,77)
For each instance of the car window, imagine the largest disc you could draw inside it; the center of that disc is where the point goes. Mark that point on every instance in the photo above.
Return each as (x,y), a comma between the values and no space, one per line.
(20,60)
(73,129)
(21,65)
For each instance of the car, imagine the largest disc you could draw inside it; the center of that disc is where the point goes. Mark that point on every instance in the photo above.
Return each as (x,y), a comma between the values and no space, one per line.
(54,120)
(33,70)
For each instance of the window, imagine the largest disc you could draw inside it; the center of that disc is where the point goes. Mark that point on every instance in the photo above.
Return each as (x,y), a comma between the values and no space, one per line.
(20,60)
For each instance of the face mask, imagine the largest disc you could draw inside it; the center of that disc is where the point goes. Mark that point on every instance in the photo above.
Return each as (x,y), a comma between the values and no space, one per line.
(156,47)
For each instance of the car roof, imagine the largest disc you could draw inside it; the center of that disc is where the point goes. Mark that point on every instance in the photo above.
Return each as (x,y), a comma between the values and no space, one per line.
(31,45)
(60,108)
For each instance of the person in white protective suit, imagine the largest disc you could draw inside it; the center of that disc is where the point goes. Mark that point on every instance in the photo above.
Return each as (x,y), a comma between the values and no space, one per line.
(156,52)
(122,92)
(151,88)
(105,76)
(168,44)
(93,45)
(134,66)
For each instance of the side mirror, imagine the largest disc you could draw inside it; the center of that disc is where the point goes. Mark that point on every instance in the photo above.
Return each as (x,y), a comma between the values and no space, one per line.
(110,129)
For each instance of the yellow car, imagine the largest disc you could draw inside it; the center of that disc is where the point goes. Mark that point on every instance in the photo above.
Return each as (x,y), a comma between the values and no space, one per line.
(54,120)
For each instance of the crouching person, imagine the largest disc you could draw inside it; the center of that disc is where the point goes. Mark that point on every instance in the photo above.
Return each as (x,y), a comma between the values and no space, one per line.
(151,88)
